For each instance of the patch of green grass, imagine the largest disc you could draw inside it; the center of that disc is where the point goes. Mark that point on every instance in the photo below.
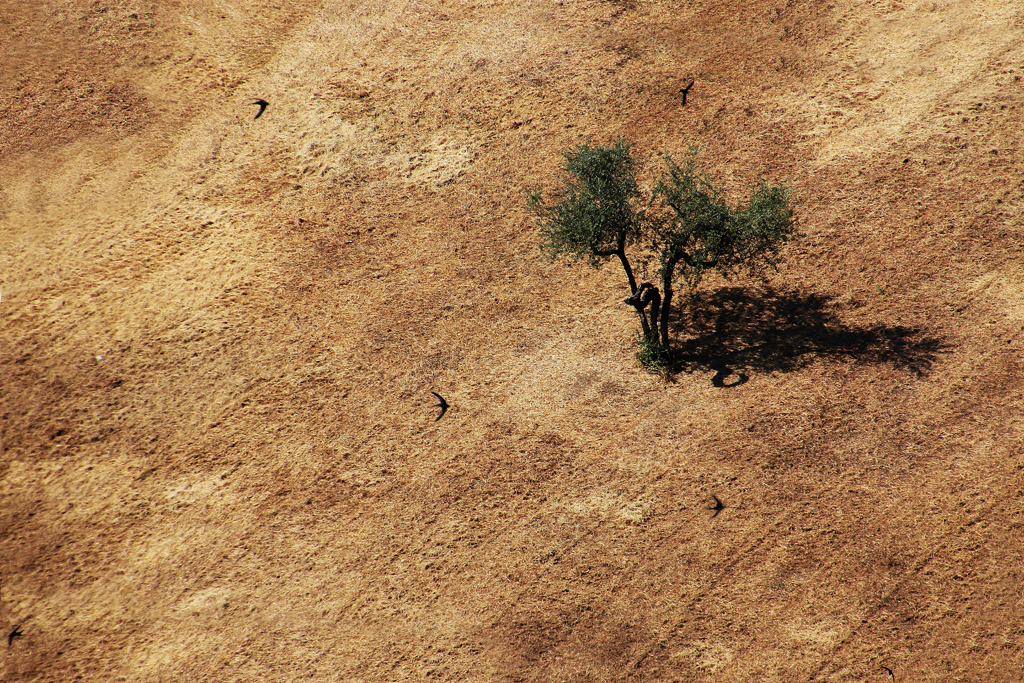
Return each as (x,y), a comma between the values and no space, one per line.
(652,356)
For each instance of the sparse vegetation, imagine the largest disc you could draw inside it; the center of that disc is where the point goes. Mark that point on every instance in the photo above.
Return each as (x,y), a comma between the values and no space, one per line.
(684,224)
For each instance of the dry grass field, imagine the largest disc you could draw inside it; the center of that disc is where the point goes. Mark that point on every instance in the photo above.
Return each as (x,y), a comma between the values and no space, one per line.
(218,453)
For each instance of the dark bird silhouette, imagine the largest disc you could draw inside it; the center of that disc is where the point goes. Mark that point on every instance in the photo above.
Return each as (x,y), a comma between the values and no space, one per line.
(685,89)
(891,675)
(718,507)
(264,104)
(443,405)
(14,634)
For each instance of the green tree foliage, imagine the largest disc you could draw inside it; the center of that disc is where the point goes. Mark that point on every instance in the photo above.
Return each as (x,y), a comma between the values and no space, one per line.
(598,215)
(701,231)
(686,225)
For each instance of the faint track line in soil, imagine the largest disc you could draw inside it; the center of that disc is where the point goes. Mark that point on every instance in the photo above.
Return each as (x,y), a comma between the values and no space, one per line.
(740,554)
(551,559)
(884,600)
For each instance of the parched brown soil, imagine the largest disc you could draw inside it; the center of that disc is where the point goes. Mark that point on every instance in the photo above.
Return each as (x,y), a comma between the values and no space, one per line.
(219,334)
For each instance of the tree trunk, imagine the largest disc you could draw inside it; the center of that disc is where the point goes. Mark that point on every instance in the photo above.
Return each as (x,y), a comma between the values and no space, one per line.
(649,329)
(666,301)
(643,323)
(655,310)
(621,253)
(648,332)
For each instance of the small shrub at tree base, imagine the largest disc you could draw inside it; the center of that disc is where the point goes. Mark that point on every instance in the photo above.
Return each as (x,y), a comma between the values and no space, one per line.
(652,356)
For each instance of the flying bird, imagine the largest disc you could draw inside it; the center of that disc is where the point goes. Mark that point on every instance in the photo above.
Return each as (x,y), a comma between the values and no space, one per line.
(443,405)
(264,104)
(891,675)
(685,89)
(14,634)
(718,507)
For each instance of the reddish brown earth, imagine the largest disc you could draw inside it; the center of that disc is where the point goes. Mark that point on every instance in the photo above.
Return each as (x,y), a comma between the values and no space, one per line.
(219,335)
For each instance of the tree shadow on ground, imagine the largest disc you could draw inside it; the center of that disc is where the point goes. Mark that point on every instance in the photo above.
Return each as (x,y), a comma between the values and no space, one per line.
(736,329)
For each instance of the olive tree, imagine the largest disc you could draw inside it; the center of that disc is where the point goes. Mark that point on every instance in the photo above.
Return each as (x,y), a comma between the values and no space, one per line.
(685,224)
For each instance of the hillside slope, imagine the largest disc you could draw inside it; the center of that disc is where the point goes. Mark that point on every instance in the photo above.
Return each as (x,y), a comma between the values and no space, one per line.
(219,337)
